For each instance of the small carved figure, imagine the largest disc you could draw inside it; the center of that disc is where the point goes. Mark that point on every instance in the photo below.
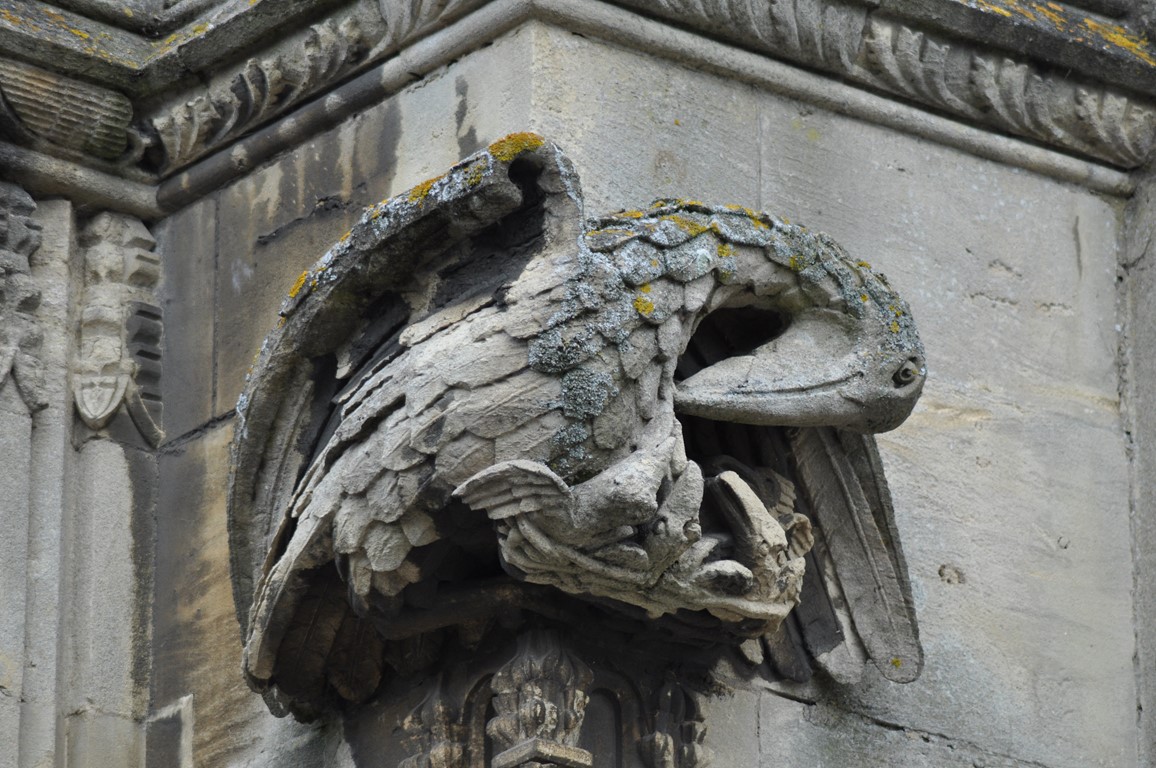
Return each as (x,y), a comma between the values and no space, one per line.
(470,355)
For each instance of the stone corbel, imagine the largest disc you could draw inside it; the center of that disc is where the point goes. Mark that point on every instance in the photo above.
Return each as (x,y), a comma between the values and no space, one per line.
(20,336)
(118,355)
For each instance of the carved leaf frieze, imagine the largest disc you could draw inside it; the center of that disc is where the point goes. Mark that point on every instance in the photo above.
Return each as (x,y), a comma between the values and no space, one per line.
(260,89)
(407,18)
(960,78)
(1011,95)
(20,335)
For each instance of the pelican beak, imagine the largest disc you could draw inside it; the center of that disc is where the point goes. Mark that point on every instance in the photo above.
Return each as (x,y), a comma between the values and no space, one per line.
(826,369)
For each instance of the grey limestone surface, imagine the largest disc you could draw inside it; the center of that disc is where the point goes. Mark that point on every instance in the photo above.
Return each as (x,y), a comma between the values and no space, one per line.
(1010,479)
(187,242)
(1138,272)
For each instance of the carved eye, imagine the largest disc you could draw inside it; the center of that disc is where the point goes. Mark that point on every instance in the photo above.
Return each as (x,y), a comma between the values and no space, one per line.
(907,373)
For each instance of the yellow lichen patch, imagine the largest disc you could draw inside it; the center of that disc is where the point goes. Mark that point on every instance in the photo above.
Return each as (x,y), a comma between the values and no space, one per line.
(896,662)
(635,214)
(297,286)
(80,33)
(983,5)
(345,238)
(863,298)
(1049,11)
(507,148)
(422,190)
(894,326)
(644,305)
(692,228)
(725,250)
(476,174)
(863,264)
(645,287)
(1119,37)
(609,232)
(795,264)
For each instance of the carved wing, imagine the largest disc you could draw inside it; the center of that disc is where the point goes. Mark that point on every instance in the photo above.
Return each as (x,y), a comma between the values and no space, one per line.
(515,487)
(843,476)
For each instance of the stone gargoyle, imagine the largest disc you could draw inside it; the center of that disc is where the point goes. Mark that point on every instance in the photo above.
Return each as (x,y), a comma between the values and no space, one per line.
(474,392)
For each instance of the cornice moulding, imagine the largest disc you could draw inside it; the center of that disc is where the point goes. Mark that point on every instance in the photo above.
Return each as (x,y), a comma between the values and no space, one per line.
(215,133)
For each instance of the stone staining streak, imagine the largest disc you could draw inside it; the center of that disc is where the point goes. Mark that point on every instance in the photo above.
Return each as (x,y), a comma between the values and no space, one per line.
(943,73)
(540,699)
(20,337)
(46,110)
(118,357)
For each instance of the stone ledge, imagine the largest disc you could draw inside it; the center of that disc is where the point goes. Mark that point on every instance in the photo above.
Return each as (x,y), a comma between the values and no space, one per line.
(217,156)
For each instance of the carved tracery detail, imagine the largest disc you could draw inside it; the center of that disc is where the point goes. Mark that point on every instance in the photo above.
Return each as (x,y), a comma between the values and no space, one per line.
(118,355)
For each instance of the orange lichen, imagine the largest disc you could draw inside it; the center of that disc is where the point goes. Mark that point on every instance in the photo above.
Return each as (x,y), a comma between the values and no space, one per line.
(1119,37)
(692,228)
(983,5)
(644,305)
(476,174)
(297,286)
(421,191)
(1050,12)
(507,148)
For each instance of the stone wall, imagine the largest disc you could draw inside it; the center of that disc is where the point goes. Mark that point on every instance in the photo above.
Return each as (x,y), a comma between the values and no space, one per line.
(1010,479)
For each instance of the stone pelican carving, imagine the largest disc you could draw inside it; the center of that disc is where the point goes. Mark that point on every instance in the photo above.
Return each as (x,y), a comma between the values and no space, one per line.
(473,376)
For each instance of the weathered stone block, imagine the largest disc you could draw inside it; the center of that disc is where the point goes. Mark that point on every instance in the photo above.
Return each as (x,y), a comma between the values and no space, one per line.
(187,242)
